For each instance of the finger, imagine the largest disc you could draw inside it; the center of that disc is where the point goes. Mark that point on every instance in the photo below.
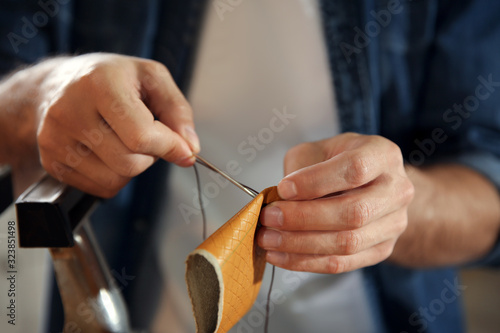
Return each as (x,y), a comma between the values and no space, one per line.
(82,182)
(303,155)
(136,127)
(113,153)
(345,242)
(73,163)
(167,102)
(330,264)
(86,166)
(310,153)
(342,171)
(349,210)
(62,142)
(95,134)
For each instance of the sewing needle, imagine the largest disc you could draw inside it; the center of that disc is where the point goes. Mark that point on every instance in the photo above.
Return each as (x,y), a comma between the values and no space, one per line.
(212,167)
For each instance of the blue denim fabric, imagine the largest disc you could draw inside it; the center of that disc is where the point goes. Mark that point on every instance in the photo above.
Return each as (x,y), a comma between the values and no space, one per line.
(423,73)
(31,30)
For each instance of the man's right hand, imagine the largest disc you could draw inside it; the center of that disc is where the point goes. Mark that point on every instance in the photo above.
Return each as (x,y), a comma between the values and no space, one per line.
(104,118)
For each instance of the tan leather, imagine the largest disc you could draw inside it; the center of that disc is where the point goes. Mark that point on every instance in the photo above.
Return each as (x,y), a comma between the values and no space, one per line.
(225,272)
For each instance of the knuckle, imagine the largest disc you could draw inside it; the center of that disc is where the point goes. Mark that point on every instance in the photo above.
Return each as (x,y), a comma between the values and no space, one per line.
(348,242)
(407,191)
(358,171)
(170,151)
(54,111)
(119,107)
(180,105)
(154,73)
(358,213)
(294,216)
(95,76)
(55,114)
(140,141)
(335,265)
(99,79)
(153,66)
(289,242)
(394,150)
(177,105)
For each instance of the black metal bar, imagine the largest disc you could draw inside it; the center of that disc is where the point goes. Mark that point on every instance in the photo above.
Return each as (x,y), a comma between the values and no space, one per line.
(48,213)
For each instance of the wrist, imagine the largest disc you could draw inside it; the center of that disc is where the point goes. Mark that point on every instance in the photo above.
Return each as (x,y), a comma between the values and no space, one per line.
(21,107)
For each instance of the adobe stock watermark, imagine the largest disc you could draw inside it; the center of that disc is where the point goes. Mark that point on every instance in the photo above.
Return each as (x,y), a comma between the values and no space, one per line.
(427,314)
(454,117)
(259,141)
(31,25)
(249,148)
(222,7)
(380,19)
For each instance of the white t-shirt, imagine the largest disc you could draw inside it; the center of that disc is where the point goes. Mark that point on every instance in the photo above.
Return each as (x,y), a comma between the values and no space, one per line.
(261,85)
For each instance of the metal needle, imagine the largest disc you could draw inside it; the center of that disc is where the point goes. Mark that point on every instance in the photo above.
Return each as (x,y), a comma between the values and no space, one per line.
(212,167)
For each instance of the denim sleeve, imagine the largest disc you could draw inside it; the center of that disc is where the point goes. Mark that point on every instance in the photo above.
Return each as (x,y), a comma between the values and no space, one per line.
(460,113)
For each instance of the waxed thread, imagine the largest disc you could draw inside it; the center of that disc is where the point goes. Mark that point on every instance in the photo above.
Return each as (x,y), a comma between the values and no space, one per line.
(200,201)
(266,323)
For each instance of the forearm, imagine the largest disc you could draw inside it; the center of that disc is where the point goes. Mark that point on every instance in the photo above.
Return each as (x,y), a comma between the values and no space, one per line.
(453,219)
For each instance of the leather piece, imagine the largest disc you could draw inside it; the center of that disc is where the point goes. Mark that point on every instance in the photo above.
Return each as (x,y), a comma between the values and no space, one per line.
(224,273)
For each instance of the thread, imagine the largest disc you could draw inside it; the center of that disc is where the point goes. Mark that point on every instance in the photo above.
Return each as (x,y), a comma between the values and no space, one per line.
(266,323)
(200,201)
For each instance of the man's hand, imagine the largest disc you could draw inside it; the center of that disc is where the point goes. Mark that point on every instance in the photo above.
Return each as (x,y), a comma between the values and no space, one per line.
(346,201)
(105,118)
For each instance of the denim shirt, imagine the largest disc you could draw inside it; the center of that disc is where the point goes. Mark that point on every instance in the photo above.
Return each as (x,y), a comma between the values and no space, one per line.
(423,73)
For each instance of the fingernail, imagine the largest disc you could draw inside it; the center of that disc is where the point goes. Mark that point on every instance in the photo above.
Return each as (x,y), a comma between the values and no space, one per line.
(276,258)
(287,189)
(271,217)
(184,161)
(191,136)
(271,239)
